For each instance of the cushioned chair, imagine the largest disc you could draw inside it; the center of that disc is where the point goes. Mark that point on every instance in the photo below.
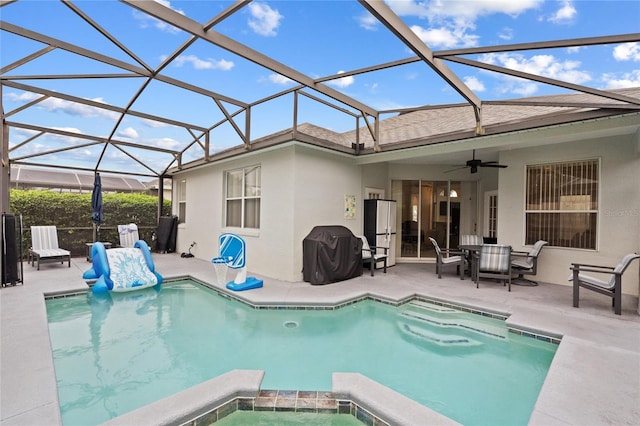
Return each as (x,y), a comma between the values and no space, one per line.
(44,246)
(493,261)
(471,240)
(128,234)
(447,257)
(371,256)
(611,287)
(526,263)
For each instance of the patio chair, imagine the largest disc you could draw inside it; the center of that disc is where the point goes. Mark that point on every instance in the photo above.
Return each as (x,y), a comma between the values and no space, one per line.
(526,263)
(371,256)
(447,257)
(493,261)
(611,288)
(44,247)
(128,234)
(471,240)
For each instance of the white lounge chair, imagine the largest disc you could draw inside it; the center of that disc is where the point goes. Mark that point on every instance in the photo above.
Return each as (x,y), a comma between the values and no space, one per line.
(44,247)
(128,234)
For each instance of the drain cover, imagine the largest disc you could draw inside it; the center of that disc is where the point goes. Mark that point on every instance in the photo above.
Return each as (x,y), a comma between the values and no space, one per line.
(290,324)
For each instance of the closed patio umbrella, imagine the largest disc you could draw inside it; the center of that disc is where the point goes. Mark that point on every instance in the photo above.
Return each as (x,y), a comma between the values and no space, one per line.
(97,215)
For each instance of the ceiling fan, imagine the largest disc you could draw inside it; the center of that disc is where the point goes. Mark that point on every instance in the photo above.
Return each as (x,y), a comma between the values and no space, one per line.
(473,164)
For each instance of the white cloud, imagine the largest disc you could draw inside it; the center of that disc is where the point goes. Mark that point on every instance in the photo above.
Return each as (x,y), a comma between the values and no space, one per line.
(165,143)
(452,22)
(21,97)
(342,82)
(202,64)
(614,81)
(153,123)
(77,109)
(474,84)
(565,14)
(146,20)
(129,132)
(264,20)
(627,52)
(461,10)
(279,79)
(368,22)
(506,33)
(445,38)
(542,65)
(62,105)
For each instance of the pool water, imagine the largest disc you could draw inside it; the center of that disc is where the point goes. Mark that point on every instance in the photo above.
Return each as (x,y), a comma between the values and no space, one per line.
(117,352)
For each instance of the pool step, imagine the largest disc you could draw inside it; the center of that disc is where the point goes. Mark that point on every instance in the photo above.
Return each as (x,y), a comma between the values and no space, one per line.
(444,317)
(438,339)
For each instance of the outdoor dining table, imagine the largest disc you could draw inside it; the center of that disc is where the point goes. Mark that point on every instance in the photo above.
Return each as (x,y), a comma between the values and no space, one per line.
(469,251)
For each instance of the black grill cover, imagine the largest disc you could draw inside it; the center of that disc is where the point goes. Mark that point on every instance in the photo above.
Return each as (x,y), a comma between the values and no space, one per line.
(331,254)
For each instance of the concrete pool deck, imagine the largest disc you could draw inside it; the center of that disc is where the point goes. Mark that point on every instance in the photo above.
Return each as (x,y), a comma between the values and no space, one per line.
(594,378)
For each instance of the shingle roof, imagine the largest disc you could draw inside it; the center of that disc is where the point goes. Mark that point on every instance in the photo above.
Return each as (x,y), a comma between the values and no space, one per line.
(458,120)
(27,177)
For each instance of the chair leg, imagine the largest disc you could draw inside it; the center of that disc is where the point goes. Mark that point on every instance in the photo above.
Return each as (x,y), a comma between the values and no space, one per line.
(527,282)
(372,266)
(385,265)
(576,290)
(617,296)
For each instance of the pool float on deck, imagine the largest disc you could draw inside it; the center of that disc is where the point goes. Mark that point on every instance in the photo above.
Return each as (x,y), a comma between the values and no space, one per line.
(232,253)
(121,269)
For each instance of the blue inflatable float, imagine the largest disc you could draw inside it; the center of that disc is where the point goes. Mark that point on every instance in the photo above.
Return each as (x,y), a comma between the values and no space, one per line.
(121,269)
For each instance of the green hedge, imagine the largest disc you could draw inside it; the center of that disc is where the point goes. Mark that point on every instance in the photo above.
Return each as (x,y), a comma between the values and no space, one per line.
(71,214)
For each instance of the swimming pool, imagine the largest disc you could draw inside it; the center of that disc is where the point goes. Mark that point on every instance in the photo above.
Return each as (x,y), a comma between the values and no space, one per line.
(120,352)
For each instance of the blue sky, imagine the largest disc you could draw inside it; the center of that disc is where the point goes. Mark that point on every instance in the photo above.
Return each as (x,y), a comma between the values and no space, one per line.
(317,38)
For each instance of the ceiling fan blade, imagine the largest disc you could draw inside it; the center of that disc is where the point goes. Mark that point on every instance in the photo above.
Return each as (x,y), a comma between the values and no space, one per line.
(456,169)
(500,166)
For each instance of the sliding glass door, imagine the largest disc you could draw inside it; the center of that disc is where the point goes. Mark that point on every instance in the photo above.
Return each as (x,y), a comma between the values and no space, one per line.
(427,209)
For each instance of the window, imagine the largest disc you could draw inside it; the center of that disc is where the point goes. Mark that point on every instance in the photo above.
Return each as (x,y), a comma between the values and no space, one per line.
(182,201)
(243,190)
(562,204)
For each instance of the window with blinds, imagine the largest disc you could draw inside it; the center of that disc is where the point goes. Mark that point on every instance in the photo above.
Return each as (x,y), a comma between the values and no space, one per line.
(562,203)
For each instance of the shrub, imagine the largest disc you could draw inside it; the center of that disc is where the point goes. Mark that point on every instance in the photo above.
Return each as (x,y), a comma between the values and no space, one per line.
(71,214)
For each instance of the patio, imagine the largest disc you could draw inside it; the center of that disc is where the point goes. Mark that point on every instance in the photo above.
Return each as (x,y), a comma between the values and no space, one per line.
(594,378)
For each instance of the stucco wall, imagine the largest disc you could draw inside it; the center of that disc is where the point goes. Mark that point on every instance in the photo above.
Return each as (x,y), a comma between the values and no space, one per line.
(321,182)
(619,205)
(301,188)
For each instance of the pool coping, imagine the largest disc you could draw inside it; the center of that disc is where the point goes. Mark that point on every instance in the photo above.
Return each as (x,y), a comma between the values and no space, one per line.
(214,399)
(368,400)
(599,352)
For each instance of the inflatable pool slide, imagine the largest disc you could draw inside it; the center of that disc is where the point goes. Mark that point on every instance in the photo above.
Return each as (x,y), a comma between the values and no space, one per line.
(121,269)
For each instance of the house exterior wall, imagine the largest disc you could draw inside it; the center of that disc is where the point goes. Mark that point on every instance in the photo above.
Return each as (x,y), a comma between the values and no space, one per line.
(301,188)
(619,205)
(322,180)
